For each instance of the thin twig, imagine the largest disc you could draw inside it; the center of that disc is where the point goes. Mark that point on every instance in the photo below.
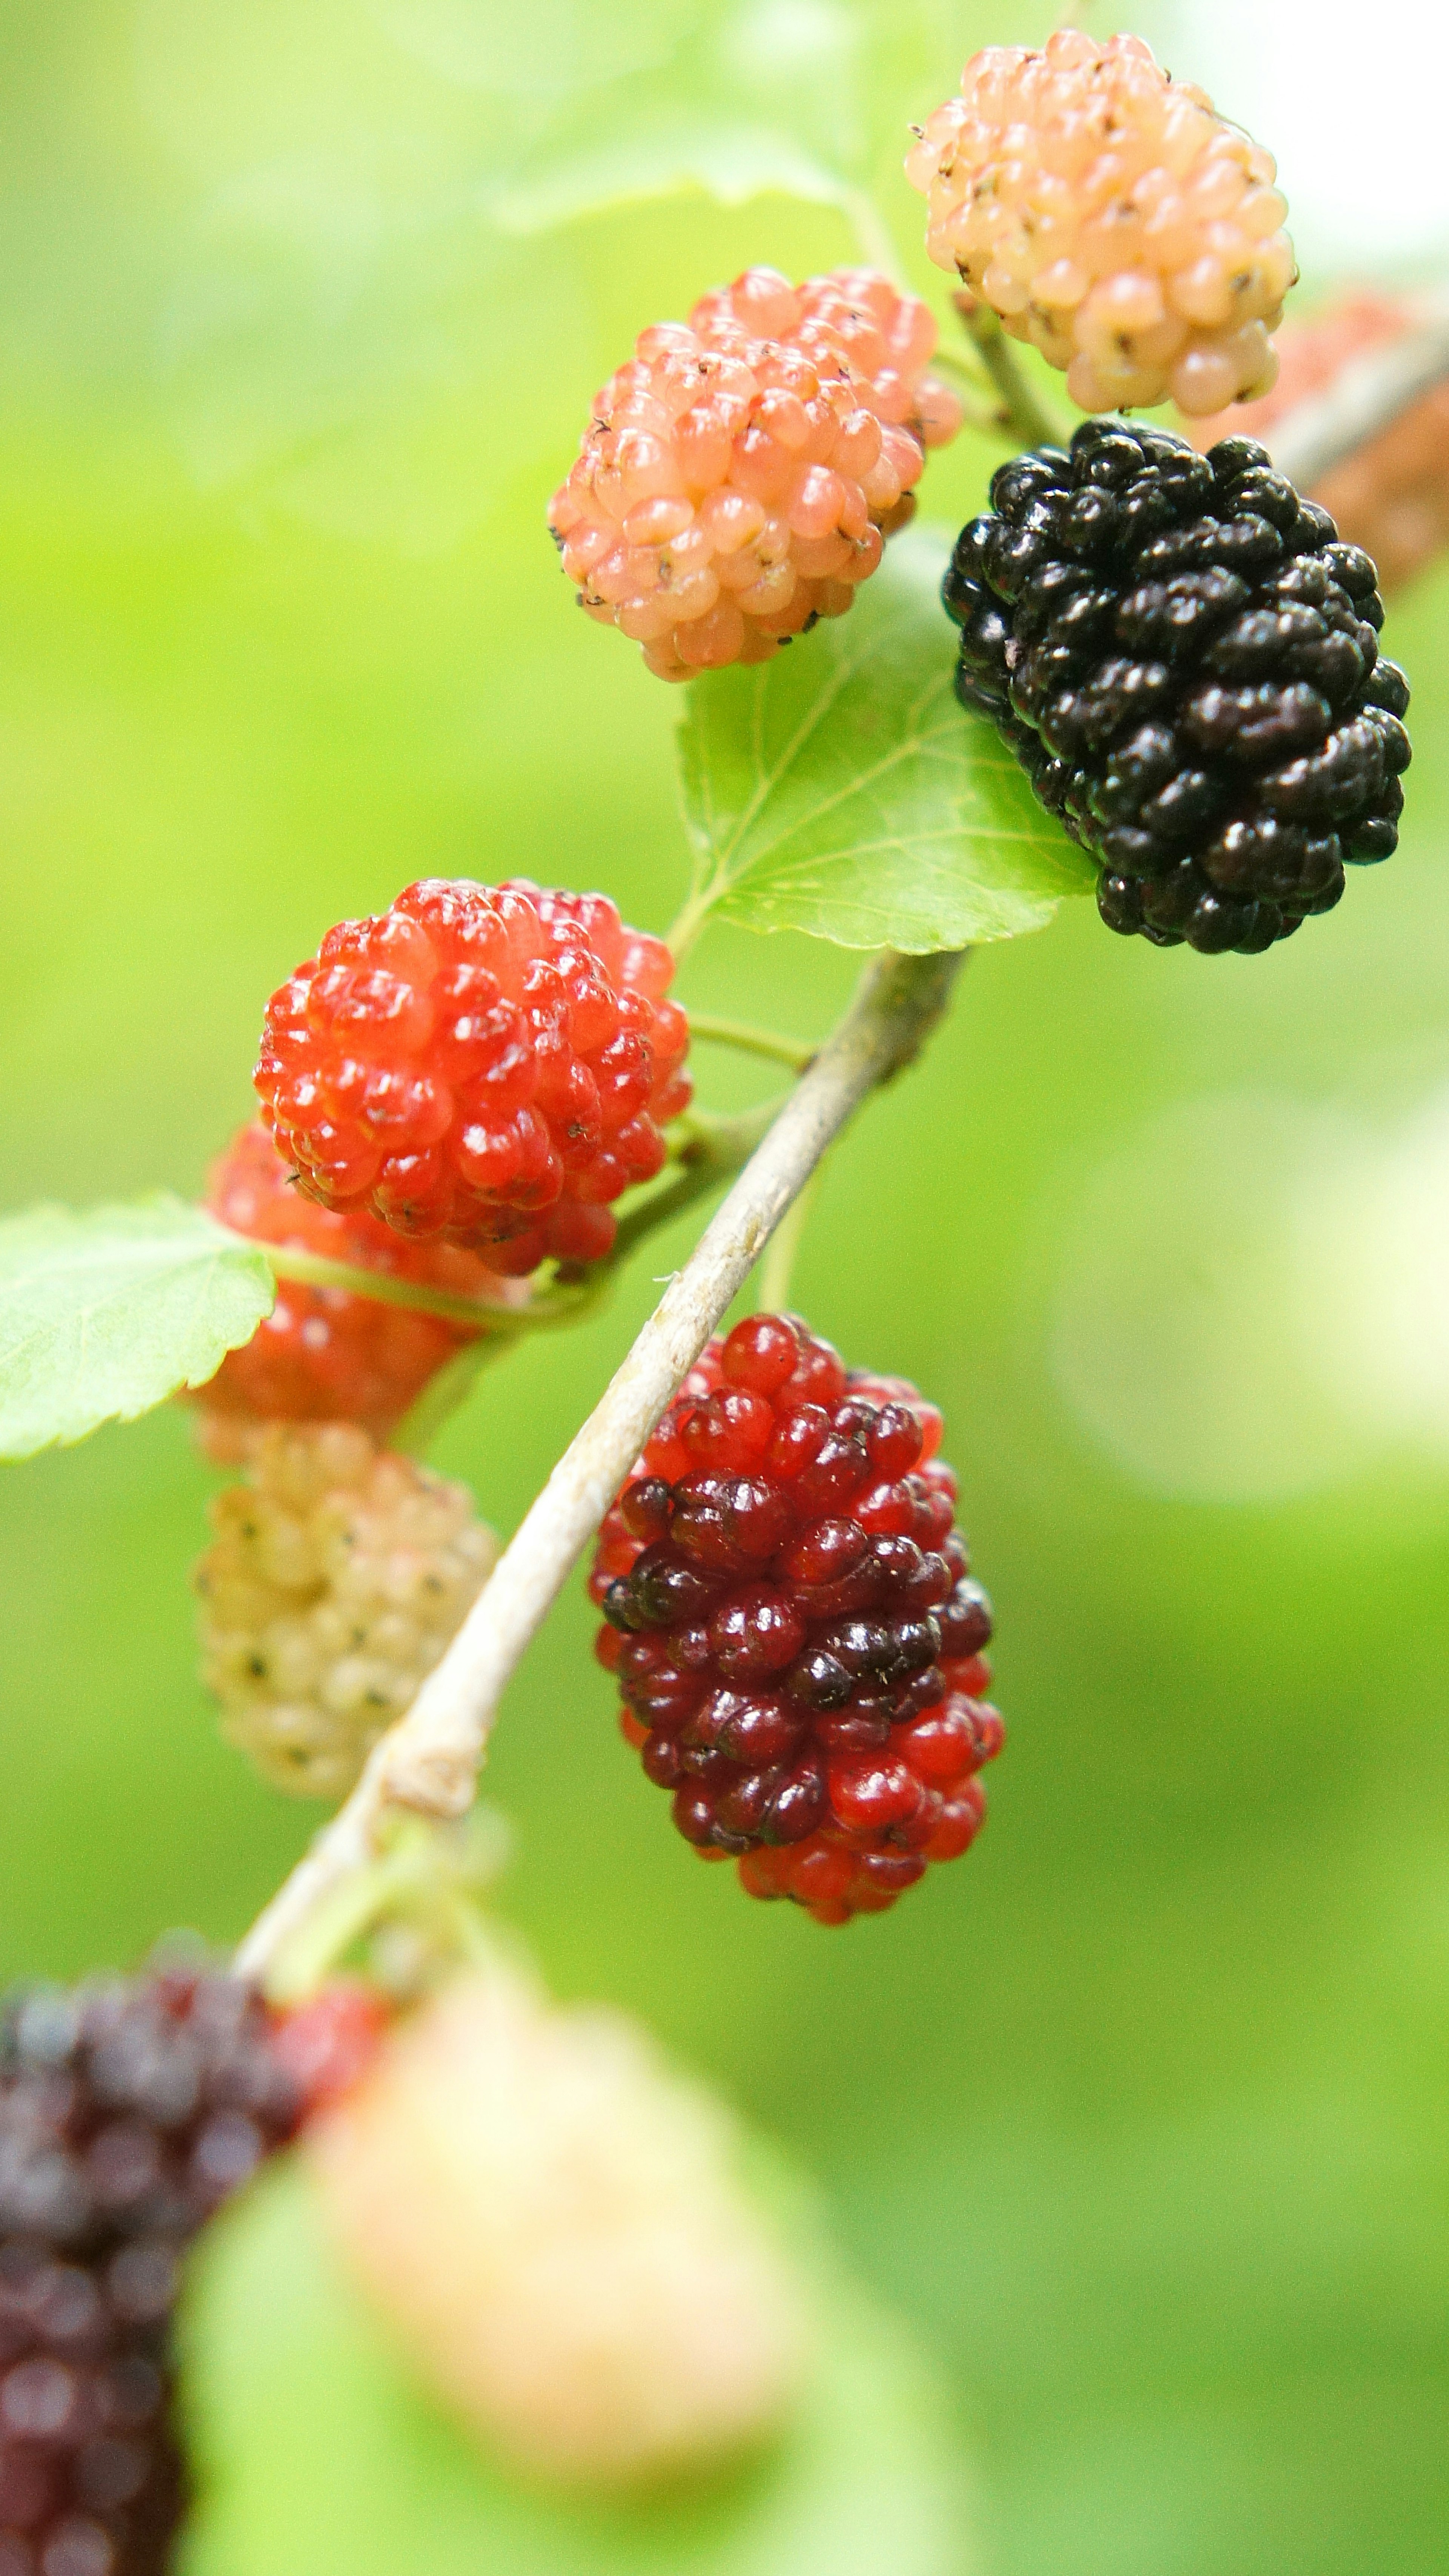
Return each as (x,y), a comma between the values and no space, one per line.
(380,1287)
(1365,398)
(748,1040)
(430,1760)
(1022,415)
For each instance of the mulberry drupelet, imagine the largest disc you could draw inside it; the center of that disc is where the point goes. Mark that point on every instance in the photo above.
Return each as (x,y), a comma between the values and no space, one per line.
(793,1626)
(1184,658)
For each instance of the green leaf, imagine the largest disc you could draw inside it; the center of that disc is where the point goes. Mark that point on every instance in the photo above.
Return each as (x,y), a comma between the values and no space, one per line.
(320,2457)
(841,789)
(105,1314)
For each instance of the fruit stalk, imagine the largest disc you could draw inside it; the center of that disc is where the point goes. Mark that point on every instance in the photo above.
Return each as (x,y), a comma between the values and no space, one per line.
(429,1761)
(1365,399)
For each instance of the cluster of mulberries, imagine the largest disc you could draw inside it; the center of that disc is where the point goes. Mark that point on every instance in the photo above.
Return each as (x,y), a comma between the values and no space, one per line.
(492,1065)
(741,471)
(129,2111)
(1112,218)
(325,1354)
(1185,660)
(793,1626)
(336,1580)
(1391,496)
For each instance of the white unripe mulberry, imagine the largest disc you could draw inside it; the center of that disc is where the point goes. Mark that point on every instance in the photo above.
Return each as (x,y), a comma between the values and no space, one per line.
(554,2227)
(1111,217)
(338,1575)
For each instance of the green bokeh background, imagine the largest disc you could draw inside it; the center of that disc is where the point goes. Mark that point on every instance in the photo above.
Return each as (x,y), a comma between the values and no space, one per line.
(1142,2112)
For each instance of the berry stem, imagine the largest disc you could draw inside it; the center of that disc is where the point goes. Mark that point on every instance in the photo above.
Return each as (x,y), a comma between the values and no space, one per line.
(429,1761)
(751,1041)
(1021,413)
(981,411)
(874,235)
(548,1306)
(1365,398)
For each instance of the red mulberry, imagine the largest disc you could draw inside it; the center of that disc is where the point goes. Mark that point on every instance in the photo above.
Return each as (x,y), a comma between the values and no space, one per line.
(489,1064)
(793,1625)
(1111,217)
(741,471)
(323,1354)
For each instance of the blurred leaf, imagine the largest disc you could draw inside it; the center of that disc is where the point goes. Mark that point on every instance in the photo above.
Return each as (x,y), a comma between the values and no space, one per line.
(550,47)
(319,2457)
(842,790)
(351,340)
(729,162)
(106,1314)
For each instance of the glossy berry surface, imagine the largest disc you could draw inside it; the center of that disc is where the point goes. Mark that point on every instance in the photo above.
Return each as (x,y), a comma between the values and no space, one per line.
(1112,218)
(325,1354)
(1184,658)
(741,471)
(794,1628)
(488,1065)
(129,2111)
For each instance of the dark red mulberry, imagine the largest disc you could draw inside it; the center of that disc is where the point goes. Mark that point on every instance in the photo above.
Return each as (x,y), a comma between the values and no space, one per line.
(794,1628)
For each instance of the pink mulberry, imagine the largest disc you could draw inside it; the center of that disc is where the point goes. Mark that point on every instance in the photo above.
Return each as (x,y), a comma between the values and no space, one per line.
(741,472)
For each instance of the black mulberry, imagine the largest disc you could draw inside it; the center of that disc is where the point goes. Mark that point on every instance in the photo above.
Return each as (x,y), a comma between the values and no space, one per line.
(129,2111)
(1184,658)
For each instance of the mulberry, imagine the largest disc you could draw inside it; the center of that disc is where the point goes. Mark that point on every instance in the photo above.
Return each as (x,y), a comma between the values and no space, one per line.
(324,1354)
(1112,218)
(337,1578)
(557,2228)
(1184,658)
(490,1064)
(129,2111)
(741,471)
(793,1626)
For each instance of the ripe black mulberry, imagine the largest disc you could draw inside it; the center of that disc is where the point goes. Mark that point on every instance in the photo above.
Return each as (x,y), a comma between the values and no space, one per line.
(1184,657)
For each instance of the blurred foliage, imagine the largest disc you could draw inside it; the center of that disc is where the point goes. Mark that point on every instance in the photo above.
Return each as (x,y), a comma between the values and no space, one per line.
(1142,2109)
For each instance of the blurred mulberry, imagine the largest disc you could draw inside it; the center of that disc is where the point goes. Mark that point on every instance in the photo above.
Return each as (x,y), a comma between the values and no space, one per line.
(324,1354)
(492,1064)
(1184,658)
(794,1628)
(129,2111)
(741,471)
(1112,218)
(559,2233)
(336,1580)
